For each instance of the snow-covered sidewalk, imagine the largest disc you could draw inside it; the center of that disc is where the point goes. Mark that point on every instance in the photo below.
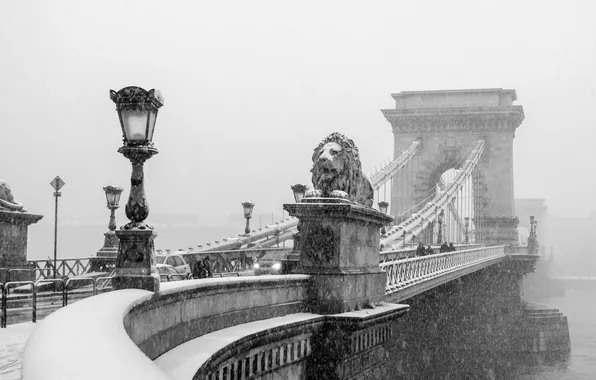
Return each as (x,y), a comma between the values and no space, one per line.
(12,344)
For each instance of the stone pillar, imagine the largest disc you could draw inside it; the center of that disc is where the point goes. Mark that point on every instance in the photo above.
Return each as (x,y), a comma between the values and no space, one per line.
(135,266)
(13,236)
(339,248)
(500,230)
(110,245)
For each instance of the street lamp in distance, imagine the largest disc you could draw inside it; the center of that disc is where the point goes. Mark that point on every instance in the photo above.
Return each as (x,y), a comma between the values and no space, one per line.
(247,208)
(112,200)
(137,111)
(299,190)
(110,245)
(383,207)
(440,232)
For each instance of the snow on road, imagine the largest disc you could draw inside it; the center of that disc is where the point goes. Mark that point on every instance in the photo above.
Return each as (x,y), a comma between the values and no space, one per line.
(12,344)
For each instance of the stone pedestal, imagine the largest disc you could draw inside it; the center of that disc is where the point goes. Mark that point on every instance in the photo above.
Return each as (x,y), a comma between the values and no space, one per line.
(13,236)
(500,230)
(110,245)
(339,248)
(135,266)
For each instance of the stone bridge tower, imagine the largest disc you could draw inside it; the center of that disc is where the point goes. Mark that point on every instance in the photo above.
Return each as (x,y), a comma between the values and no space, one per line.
(449,123)
(14,222)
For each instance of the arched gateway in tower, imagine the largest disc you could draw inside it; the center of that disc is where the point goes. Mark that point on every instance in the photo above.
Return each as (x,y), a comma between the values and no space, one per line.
(449,125)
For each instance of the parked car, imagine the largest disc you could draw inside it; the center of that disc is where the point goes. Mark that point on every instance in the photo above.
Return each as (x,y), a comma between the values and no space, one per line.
(176,260)
(169,273)
(276,263)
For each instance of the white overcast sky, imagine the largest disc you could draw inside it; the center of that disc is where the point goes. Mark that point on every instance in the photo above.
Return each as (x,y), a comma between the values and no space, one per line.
(251,87)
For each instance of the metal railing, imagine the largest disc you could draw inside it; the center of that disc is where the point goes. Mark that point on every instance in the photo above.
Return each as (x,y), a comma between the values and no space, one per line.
(408,253)
(69,267)
(403,273)
(41,296)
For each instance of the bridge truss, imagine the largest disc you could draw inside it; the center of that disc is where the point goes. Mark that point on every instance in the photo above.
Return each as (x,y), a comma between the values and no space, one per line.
(457,198)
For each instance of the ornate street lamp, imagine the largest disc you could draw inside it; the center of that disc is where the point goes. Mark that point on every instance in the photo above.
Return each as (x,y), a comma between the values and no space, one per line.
(110,245)
(299,191)
(383,207)
(440,232)
(467,224)
(247,206)
(137,111)
(113,200)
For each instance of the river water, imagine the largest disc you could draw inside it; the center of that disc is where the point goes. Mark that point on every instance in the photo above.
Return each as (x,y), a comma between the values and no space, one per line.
(579,307)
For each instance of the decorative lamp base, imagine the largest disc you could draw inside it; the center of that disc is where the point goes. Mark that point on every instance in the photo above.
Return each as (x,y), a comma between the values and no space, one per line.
(135,266)
(150,282)
(110,245)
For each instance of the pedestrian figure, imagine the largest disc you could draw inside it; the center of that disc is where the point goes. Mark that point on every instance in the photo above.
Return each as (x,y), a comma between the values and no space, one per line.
(444,248)
(207,265)
(452,247)
(197,268)
(420,251)
(429,250)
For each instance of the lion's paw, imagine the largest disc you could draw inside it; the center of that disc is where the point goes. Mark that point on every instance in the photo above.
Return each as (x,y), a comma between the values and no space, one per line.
(339,194)
(313,194)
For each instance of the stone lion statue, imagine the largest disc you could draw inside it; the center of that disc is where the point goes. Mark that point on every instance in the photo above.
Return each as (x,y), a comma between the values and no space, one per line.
(337,171)
(6,198)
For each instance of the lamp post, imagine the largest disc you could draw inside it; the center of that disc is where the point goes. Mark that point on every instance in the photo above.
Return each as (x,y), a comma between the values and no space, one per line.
(383,207)
(299,191)
(440,232)
(110,245)
(247,206)
(137,111)
(467,224)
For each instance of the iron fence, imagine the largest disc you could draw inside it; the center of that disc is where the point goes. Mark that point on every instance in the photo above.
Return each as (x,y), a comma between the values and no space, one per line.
(403,273)
(33,297)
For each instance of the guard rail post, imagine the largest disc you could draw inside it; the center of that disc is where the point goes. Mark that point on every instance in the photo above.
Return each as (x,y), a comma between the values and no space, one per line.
(3,306)
(74,280)
(106,279)
(34,303)
(5,296)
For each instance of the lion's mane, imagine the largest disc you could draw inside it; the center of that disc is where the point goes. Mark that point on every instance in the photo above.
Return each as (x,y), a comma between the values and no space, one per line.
(350,178)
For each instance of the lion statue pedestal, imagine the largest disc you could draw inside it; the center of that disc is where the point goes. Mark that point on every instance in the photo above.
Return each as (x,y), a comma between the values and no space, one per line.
(339,247)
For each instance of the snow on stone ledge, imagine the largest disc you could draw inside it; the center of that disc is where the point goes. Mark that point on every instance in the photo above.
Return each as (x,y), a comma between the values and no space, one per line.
(87,340)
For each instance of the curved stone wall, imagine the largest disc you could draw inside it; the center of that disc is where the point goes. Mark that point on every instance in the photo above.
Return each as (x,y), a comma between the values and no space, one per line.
(100,336)
(175,316)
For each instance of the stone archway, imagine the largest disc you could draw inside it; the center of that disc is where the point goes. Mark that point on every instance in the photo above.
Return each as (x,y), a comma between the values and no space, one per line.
(449,123)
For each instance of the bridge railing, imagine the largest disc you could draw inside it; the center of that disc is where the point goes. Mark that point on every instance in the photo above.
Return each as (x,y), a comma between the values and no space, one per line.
(70,267)
(403,273)
(409,253)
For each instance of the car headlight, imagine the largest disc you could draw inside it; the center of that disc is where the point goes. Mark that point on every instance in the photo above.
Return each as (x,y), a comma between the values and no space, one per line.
(276,266)
(256,266)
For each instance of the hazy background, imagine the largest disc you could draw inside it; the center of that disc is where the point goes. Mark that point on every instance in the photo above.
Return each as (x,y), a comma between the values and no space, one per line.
(251,87)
